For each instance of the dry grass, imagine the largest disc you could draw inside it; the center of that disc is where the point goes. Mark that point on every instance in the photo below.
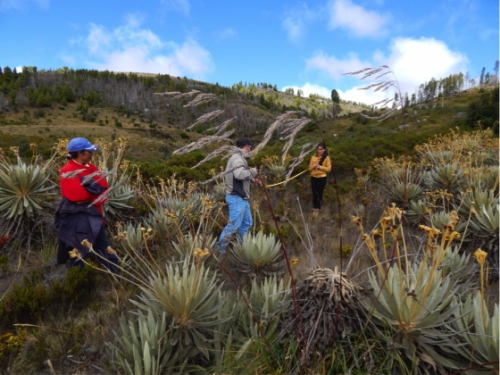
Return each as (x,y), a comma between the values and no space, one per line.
(57,123)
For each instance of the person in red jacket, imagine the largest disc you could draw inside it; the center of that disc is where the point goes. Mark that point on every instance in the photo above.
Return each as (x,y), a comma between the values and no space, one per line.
(80,214)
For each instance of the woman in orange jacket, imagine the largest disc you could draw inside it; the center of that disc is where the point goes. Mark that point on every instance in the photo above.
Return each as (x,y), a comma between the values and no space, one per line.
(319,167)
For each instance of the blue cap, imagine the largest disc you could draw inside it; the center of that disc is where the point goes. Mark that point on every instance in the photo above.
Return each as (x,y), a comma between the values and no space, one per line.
(81,144)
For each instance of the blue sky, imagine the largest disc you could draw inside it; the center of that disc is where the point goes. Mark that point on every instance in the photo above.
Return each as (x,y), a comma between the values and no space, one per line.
(300,44)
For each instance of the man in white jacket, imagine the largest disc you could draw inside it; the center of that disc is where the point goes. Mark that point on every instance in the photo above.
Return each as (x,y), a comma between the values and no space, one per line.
(238,178)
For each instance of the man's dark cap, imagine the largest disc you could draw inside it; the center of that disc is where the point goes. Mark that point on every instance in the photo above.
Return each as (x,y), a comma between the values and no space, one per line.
(243,141)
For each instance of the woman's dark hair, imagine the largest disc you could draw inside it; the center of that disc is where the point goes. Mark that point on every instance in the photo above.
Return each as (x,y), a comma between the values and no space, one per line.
(325,154)
(72,155)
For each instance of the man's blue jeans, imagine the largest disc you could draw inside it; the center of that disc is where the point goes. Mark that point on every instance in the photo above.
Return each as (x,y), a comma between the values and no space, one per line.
(240,220)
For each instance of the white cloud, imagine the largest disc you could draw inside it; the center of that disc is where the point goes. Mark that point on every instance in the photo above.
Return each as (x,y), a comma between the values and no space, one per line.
(10,4)
(70,60)
(21,4)
(414,61)
(293,27)
(486,33)
(334,67)
(363,96)
(129,48)
(354,94)
(98,40)
(227,33)
(182,6)
(359,21)
(295,20)
(311,88)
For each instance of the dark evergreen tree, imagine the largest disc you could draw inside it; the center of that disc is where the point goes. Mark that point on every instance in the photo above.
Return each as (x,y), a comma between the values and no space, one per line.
(413,99)
(484,110)
(64,93)
(9,77)
(40,96)
(335,102)
(92,97)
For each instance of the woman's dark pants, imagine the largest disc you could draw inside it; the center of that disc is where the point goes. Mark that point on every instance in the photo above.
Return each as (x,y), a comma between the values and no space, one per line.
(317,185)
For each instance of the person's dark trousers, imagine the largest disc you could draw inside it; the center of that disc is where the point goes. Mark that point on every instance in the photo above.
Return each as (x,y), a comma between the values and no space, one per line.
(317,185)
(63,256)
(100,245)
(62,252)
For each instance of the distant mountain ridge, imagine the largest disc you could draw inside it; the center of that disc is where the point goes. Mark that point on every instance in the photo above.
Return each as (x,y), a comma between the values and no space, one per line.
(255,105)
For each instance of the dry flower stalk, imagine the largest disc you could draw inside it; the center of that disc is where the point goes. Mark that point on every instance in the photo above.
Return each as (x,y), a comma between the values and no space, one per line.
(293,128)
(281,121)
(219,129)
(202,142)
(305,151)
(480,256)
(381,85)
(201,99)
(206,117)
(178,94)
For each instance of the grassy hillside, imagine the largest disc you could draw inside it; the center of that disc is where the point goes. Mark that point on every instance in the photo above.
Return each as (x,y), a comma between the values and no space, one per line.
(397,274)
(158,128)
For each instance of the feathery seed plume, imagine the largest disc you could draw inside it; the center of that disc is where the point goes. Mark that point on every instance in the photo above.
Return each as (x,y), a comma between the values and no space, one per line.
(219,129)
(72,174)
(202,142)
(200,99)
(227,150)
(381,85)
(296,125)
(280,121)
(206,117)
(91,176)
(305,151)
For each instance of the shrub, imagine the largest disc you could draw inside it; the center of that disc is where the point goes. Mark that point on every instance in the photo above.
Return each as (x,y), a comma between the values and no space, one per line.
(484,110)
(26,303)
(39,113)
(64,94)
(75,289)
(34,297)
(10,346)
(90,116)
(92,97)
(180,165)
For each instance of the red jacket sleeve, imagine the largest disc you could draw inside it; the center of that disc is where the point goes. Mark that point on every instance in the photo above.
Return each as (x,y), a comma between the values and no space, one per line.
(71,187)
